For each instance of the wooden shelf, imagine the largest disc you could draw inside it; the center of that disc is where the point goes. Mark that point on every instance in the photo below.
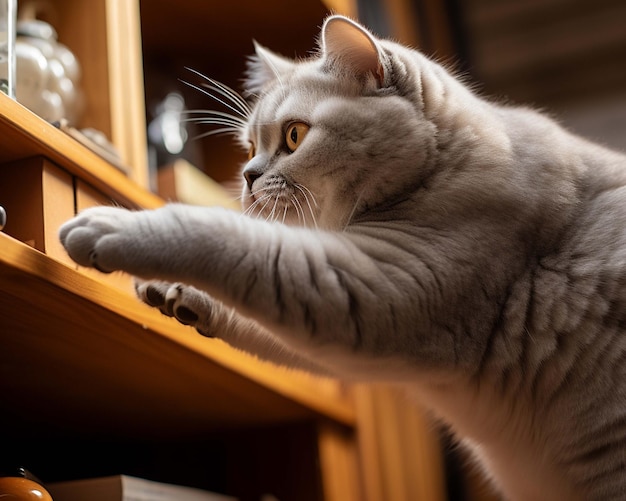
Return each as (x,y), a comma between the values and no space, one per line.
(23,134)
(80,351)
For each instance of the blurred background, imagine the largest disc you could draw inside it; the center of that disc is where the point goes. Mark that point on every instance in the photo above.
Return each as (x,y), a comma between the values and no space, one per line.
(567,57)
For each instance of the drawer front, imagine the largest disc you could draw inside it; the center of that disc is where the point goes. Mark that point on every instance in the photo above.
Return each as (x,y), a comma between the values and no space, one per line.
(38,197)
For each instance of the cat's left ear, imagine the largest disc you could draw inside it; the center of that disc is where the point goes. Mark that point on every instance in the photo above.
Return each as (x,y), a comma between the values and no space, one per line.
(349,46)
(264,67)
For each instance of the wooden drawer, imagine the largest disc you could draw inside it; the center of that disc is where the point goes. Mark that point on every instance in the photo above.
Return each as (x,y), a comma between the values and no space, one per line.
(38,197)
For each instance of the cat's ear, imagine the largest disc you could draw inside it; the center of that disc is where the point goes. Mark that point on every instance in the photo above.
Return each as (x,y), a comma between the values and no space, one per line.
(349,46)
(264,67)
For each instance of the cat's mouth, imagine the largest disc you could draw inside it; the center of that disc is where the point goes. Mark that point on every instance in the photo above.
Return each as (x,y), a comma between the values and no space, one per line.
(279,200)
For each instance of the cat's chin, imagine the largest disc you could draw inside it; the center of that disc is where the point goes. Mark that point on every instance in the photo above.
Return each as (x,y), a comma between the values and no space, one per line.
(286,206)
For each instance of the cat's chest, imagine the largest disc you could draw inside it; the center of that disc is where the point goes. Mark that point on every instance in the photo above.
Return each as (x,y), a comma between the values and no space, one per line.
(502,437)
(520,474)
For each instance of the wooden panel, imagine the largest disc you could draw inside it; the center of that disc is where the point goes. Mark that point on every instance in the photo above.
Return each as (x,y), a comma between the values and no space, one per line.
(185,183)
(345,7)
(21,196)
(58,207)
(339,463)
(400,452)
(127,108)
(38,196)
(402,18)
(368,443)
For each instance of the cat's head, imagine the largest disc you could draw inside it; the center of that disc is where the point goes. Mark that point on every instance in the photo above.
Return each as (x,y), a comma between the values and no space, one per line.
(337,134)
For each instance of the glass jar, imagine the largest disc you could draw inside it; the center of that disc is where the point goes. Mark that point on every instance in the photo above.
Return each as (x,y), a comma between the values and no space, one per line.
(8,19)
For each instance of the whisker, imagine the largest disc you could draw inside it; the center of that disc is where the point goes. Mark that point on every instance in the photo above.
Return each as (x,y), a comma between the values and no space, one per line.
(236,98)
(284,214)
(256,203)
(352,212)
(302,187)
(227,92)
(272,215)
(269,197)
(214,97)
(299,209)
(251,207)
(215,121)
(277,75)
(306,199)
(243,112)
(224,130)
(210,114)
(252,211)
(261,190)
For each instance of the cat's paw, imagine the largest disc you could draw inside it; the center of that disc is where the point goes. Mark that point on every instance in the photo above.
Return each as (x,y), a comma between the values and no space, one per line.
(211,318)
(186,304)
(94,237)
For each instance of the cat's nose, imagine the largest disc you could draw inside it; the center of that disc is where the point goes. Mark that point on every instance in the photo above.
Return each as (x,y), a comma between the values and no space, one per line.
(251,175)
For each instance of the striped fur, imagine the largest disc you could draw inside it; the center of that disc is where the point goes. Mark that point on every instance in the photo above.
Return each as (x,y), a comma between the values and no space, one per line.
(471,252)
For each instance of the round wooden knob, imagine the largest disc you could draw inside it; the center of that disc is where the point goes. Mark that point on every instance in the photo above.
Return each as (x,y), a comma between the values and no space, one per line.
(22,489)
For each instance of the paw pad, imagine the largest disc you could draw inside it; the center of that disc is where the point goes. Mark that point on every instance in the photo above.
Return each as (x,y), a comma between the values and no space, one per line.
(205,333)
(186,316)
(154,297)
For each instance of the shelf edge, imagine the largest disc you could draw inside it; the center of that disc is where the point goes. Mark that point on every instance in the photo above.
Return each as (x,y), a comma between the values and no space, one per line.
(301,388)
(36,137)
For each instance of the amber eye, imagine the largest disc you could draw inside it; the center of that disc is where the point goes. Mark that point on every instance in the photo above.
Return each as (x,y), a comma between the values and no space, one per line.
(295,135)
(251,151)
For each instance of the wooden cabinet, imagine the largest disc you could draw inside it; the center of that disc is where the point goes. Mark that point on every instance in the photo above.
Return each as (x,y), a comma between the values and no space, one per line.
(92,382)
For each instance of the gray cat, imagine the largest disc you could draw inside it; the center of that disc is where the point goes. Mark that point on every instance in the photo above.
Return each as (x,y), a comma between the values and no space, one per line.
(398,227)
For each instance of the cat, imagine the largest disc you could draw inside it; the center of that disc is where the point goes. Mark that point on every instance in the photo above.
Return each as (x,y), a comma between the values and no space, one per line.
(400,227)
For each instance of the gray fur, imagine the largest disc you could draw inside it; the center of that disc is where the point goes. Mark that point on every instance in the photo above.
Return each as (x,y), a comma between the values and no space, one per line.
(471,252)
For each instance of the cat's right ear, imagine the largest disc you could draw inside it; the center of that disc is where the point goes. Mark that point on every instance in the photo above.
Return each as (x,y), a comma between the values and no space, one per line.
(264,67)
(352,48)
